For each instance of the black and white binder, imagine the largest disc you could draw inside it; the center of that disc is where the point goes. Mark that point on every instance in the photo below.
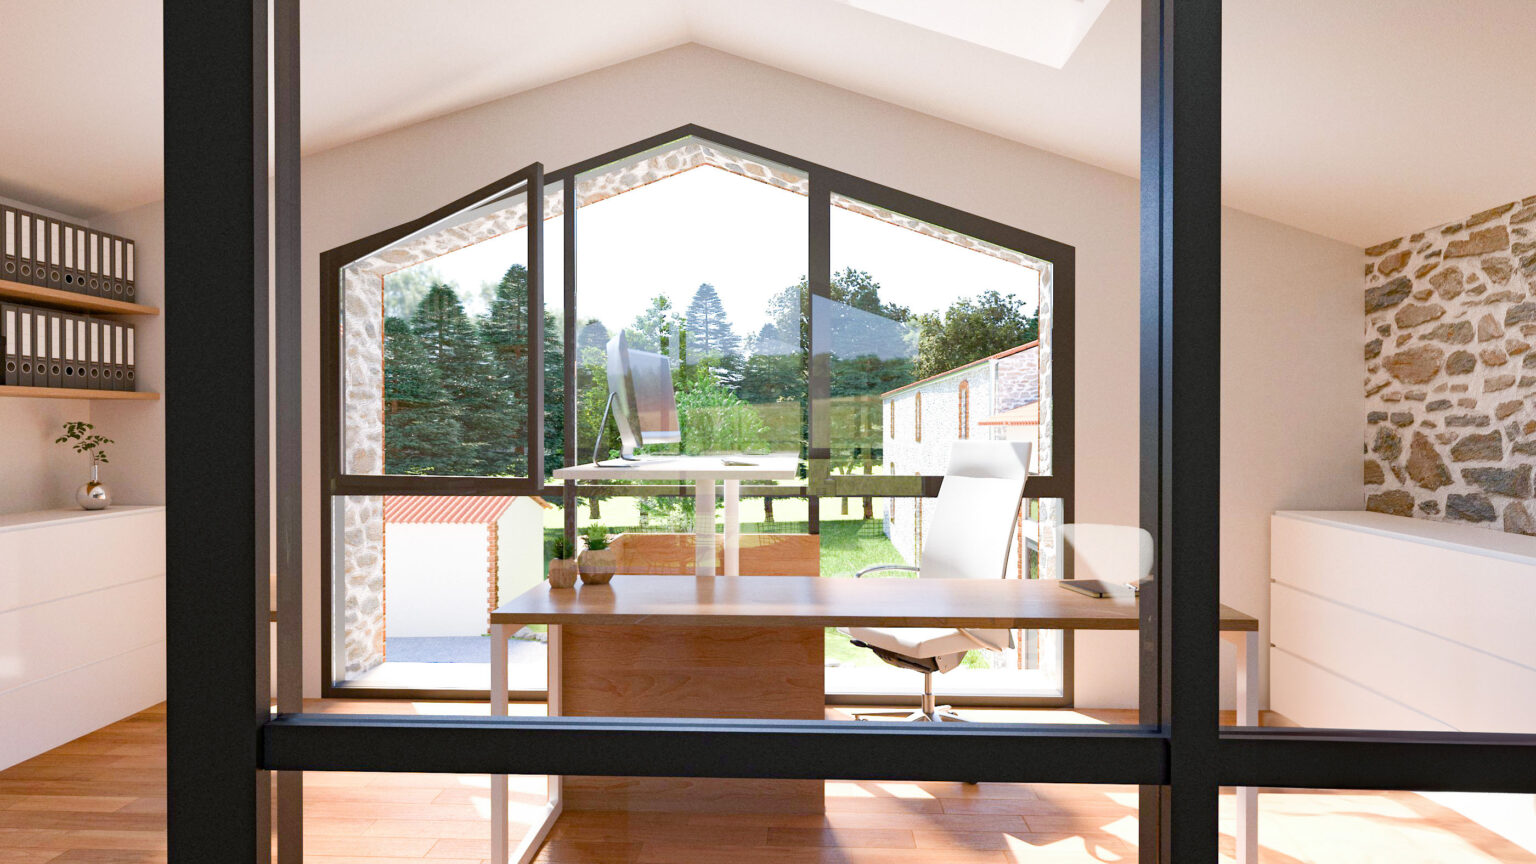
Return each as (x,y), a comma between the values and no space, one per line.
(92,354)
(40,251)
(55,258)
(80,272)
(10,246)
(131,290)
(119,290)
(74,277)
(67,376)
(129,366)
(39,348)
(24,349)
(119,358)
(10,345)
(55,349)
(93,263)
(24,240)
(82,373)
(67,265)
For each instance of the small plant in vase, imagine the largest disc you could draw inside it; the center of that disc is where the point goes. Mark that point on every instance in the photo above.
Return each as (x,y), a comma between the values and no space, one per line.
(94,495)
(562,564)
(598,561)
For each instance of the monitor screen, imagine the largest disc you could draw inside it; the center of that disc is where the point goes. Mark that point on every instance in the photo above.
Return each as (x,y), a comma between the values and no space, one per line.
(641,383)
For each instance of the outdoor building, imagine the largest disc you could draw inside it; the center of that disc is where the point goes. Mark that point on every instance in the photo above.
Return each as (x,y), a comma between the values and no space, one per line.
(451,557)
(996,397)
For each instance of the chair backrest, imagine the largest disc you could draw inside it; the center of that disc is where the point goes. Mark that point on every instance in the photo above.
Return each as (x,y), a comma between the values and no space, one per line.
(976,512)
(1113,553)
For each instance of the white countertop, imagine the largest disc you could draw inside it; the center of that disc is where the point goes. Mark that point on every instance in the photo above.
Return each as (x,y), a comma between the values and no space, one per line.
(39,518)
(1449,535)
(767,467)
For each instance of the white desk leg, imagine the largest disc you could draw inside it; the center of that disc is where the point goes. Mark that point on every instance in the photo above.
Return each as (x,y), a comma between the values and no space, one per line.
(733,527)
(704,527)
(1247,661)
(499,636)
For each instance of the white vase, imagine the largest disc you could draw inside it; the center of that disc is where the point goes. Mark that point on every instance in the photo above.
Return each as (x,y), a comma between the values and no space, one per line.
(94,495)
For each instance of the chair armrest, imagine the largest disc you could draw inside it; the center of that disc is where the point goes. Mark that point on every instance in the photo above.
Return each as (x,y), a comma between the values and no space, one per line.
(907,567)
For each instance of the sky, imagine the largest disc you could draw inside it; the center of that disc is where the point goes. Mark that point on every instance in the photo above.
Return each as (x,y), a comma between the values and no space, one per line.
(746,238)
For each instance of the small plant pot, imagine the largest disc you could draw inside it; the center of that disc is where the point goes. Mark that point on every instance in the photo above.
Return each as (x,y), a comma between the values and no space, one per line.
(562,573)
(598,566)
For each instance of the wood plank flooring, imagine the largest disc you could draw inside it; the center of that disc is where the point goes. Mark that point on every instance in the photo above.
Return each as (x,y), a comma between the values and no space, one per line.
(101,798)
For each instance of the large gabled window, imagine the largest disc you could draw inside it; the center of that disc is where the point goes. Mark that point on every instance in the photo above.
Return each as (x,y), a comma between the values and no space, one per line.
(806,312)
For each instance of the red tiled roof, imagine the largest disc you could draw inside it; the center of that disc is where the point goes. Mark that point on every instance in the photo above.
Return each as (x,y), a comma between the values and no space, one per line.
(998,356)
(447,509)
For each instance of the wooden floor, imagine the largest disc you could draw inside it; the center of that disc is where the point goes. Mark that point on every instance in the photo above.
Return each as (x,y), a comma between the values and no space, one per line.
(101,798)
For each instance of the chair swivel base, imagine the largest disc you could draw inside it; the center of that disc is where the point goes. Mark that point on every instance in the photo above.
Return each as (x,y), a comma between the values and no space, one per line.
(938,714)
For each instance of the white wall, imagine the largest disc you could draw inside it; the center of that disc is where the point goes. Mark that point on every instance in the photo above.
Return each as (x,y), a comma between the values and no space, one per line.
(1291,320)
(371,185)
(435,579)
(519,548)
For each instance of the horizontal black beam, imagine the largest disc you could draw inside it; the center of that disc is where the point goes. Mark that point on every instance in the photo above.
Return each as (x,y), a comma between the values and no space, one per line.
(793,749)
(1370,759)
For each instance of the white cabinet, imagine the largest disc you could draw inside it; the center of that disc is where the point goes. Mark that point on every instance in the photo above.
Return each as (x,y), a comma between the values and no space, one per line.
(82,623)
(1385,622)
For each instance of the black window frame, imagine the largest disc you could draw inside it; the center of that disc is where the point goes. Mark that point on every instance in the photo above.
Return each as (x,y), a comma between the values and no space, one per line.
(823,183)
(222,740)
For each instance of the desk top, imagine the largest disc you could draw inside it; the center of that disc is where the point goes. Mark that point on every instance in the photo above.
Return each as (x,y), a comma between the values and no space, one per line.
(811,601)
(766,467)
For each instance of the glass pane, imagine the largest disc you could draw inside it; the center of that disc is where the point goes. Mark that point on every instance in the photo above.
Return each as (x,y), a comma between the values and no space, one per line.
(417,577)
(696,252)
(1031,666)
(933,337)
(435,347)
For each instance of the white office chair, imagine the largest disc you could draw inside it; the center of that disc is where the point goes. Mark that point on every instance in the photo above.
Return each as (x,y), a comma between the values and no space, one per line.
(969,538)
(1115,554)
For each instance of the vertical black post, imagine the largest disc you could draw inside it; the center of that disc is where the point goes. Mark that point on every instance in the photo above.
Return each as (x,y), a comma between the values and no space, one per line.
(288,455)
(215,68)
(818,403)
(1181,413)
(572,438)
(534,190)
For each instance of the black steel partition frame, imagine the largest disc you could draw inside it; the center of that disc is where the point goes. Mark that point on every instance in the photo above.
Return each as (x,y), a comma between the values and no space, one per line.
(823,183)
(221,740)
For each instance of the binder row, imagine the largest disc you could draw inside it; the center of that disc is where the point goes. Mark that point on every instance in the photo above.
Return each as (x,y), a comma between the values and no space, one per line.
(50,348)
(40,250)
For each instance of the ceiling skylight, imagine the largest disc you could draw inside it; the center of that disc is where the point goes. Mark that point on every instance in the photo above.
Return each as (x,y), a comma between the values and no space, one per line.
(1044,31)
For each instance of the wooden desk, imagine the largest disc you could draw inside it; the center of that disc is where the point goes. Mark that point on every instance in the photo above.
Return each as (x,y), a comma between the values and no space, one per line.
(702,471)
(691,616)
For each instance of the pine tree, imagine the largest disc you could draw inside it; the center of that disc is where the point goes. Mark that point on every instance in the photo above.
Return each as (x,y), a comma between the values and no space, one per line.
(504,334)
(452,346)
(421,427)
(709,330)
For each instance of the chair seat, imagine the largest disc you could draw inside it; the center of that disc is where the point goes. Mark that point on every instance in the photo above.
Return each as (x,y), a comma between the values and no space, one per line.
(921,642)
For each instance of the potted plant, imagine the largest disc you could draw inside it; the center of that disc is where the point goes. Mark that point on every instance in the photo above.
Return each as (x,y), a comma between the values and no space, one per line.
(94,495)
(562,564)
(598,561)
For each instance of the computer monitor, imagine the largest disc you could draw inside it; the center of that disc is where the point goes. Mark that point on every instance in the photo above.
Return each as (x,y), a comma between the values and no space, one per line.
(640,385)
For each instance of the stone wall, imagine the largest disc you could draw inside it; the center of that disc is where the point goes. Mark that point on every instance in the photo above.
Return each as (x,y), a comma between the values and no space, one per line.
(1450,316)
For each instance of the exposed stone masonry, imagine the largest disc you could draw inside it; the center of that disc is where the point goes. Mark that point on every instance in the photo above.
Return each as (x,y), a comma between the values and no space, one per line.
(1450,381)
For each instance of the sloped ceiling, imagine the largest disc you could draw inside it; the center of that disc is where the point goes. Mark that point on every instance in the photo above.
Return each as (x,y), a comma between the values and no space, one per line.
(1359,121)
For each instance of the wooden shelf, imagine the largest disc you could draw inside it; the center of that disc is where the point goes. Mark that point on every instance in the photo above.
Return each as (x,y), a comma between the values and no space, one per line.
(71,393)
(71,300)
